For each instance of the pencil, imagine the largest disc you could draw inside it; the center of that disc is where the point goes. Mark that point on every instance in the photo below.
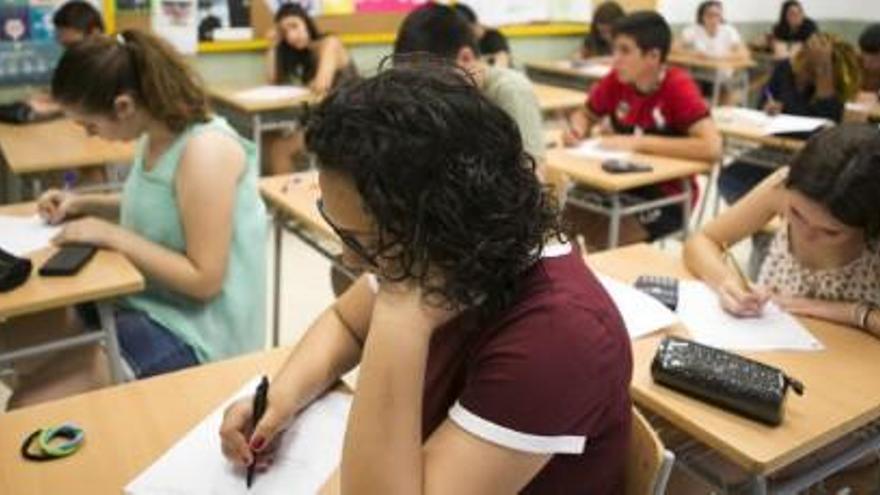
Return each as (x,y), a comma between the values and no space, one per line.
(739,273)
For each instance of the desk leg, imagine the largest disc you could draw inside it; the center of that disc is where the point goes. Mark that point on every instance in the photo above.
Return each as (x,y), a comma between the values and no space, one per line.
(614,222)
(276,292)
(686,207)
(108,327)
(36,186)
(759,485)
(716,89)
(257,124)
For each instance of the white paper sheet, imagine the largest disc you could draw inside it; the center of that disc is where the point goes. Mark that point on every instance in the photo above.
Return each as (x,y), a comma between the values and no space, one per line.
(641,313)
(784,123)
(309,452)
(591,148)
(593,70)
(272,93)
(21,235)
(708,323)
(767,124)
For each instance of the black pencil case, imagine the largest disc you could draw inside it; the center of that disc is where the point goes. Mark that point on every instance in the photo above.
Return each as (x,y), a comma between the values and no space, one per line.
(14,271)
(733,382)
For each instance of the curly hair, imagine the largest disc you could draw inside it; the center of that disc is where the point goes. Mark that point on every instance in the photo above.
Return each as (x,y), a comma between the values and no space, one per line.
(443,173)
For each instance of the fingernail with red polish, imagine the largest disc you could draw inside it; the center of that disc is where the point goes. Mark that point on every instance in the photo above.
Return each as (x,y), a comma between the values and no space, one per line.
(257,443)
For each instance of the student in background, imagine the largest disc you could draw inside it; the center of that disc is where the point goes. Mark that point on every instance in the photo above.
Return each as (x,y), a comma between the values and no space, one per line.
(792,30)
(869,45)
(439,31)
(74,21)
(491,359)
(817,82)
(711,36)
(189,217)
(825,260)
(493,45)
(598,41)
(300,54)
(645,106)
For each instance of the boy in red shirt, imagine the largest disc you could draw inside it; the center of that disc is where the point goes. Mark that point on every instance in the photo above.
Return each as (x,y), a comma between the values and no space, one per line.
(648,107)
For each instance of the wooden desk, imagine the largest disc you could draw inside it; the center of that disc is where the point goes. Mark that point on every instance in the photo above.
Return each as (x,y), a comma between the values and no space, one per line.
(841,392)
(556,99)
(588,172)
(56,145)
(292,199)
(718,68)
(108,275)
(732,128)
(569,74)
(127,427)
(260,115)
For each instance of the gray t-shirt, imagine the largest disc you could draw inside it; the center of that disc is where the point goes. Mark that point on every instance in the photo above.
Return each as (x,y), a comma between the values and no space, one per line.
(514,93)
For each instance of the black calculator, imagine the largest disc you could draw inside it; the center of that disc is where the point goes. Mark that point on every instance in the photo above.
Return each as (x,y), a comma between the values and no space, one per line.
(664,289)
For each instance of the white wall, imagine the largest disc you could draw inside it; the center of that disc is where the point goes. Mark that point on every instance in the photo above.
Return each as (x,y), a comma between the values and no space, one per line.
(682,11)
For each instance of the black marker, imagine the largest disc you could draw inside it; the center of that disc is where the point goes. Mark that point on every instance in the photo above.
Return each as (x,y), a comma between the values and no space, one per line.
(259,409)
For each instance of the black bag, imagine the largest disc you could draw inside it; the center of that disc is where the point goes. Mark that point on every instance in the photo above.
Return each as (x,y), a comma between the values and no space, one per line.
(733,382)
(22,113)
(14,271)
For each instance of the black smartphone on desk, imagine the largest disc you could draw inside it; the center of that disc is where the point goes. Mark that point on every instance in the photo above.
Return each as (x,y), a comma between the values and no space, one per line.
(624,167)
(68,260)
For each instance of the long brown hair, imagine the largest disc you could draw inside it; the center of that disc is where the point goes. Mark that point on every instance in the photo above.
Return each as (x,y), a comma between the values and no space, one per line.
(93,73)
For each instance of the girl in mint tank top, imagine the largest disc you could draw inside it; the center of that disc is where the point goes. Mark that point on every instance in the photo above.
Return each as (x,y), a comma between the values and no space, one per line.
(189,217)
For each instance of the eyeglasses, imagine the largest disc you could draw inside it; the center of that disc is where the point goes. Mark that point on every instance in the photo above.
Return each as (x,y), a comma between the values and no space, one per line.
(348,237)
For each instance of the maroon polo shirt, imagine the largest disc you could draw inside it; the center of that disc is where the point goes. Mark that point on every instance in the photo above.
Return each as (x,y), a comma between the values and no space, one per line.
(550,374)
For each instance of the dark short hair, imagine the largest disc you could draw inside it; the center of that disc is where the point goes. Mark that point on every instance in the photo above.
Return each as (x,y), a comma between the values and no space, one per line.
(435,29)
(78,15)
(839,168)
(443,173)
(869,41)
(466,12)
(649,30)
(701,10)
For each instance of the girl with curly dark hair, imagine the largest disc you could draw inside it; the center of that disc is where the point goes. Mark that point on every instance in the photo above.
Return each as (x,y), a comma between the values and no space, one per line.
(488,351)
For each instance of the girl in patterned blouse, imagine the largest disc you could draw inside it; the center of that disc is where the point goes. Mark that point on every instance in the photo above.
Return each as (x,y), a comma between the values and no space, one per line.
(824,261)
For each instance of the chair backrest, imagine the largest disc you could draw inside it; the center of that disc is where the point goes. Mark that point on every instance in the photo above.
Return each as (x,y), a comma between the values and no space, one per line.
(648,463)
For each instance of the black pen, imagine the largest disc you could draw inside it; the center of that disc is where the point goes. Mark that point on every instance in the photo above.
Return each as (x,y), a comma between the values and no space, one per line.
(259,409)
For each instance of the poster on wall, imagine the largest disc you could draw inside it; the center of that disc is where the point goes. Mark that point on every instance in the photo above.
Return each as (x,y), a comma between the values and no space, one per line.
(313,7)
(175,21)
(28,52)
(387,5)
(337,7)
(224,20)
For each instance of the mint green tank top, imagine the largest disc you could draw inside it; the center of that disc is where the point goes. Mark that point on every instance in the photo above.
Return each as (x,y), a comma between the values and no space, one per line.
(233,322)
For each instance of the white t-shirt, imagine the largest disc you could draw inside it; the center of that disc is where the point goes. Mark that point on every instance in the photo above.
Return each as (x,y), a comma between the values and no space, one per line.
(721,45)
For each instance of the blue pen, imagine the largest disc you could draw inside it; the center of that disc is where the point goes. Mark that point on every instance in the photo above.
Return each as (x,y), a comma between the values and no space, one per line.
(69,180)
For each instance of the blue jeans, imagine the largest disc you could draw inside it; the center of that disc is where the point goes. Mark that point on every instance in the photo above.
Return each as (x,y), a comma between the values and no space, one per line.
(147,347)
(738,178)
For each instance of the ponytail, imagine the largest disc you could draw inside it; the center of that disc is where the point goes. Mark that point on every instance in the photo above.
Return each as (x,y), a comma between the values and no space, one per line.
(94,72)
